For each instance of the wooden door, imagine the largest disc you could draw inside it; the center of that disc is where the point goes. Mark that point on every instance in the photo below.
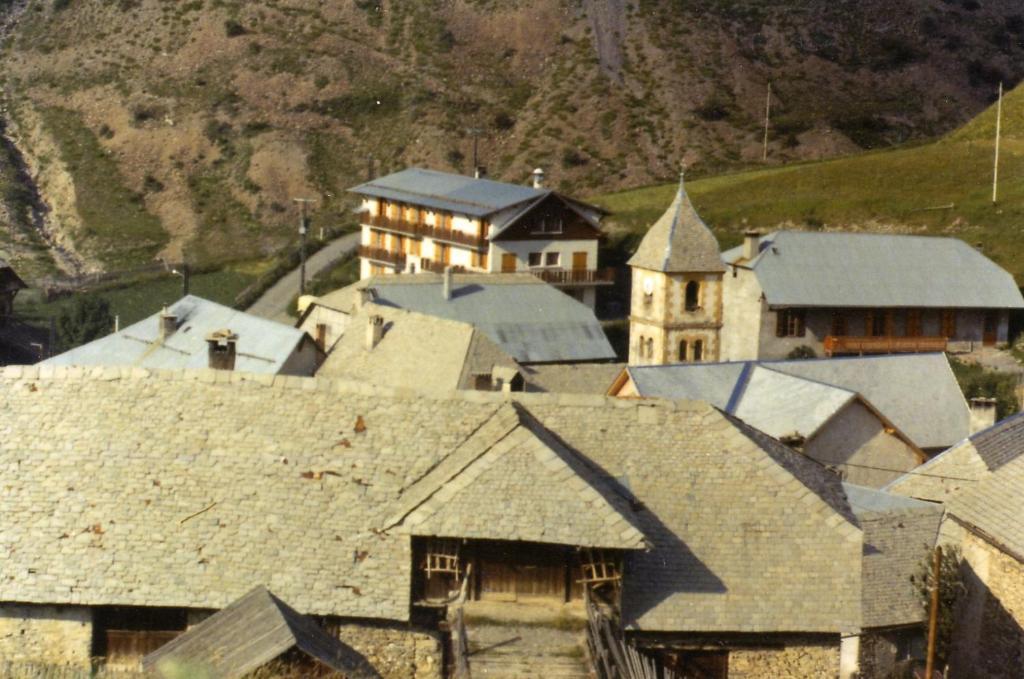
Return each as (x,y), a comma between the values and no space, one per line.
(508,263)
(497,581)
(991,329)
(913,327)
(579,261)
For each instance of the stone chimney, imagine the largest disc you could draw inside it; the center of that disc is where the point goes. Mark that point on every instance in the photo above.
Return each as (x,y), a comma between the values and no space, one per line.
(751,244)
(538,178)
(168,324)
(446,283)
(374,332)
(221,348)
(983,413)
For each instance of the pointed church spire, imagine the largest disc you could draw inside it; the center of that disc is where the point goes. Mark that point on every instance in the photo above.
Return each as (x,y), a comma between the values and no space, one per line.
(679,241)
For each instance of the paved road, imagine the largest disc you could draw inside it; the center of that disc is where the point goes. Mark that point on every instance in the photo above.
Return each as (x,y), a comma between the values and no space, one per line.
(274,302)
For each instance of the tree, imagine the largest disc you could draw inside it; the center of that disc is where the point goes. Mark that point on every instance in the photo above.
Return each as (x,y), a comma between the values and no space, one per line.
(951,587)
(87,319)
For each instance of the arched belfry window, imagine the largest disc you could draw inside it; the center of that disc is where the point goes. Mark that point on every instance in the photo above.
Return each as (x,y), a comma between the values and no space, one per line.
(650,347)
(682,351)
(698,351)
(692,299)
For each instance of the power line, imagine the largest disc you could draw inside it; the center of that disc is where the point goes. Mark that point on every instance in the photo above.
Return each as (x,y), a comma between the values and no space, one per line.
(889,469)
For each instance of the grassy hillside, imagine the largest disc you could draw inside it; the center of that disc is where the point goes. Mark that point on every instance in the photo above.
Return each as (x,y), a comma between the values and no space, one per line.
(941,188)
(184,128)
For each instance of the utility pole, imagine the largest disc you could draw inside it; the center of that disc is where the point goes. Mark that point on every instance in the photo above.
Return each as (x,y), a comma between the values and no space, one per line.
(475,133)
(369,168)
(184,272)
(767,116)
(303,229)
(933,615)
(995,167)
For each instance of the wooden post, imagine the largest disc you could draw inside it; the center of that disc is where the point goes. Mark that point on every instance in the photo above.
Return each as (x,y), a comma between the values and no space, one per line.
(767,115)
(995,167)
(933,615)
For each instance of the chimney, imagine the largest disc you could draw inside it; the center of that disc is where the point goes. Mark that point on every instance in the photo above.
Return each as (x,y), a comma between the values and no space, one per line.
(538,178)
(446,283)
(374,332)
(168,324)
(221,349)
(480,172)
(751,244)
(983,413)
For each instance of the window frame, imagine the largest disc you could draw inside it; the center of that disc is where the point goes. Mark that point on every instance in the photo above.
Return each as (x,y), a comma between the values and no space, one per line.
(791,323)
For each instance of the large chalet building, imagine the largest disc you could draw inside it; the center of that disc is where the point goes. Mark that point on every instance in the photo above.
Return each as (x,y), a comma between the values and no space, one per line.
(791,293)
(423,220)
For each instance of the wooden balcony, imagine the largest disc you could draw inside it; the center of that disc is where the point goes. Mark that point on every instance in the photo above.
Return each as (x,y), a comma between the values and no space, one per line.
(567,277)
(415,230)
(882,345)
(381,255)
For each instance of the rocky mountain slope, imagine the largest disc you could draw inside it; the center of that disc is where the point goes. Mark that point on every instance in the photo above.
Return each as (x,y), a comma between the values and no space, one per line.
(183,128)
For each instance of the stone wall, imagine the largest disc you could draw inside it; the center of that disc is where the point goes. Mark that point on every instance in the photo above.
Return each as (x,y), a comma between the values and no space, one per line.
(396,651)
(795,661)
(56,635)
(989,632)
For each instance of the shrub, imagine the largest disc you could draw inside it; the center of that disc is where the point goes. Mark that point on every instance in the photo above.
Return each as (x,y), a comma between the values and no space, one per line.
(976,381)
(717,106)
(573,158)
(801,352)
(87,319)
(233,28)
(951,588)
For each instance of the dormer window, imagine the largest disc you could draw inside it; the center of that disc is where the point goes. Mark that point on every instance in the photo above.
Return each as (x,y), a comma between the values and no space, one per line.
(548,224)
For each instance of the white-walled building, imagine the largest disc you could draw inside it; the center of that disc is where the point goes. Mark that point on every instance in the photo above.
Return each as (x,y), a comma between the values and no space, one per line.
(423,220)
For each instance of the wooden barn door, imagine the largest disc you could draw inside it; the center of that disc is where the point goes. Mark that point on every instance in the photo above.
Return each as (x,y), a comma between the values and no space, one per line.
(991,330)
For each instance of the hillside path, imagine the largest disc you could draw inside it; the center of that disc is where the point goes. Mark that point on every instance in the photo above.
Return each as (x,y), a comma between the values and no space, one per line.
(273,304)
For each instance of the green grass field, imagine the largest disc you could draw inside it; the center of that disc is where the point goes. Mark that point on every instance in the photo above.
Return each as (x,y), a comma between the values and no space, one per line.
(905,190)
(133,302)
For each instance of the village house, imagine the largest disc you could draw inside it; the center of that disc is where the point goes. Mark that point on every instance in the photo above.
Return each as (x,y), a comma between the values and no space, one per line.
(141,501)
(529,320)
(399,348)
(826,293)
(829,424)
(197,333)
(914,396)
(981,483)
(424,220)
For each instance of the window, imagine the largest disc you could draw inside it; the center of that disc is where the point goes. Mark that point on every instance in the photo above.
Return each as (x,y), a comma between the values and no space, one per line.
(948,323)
(877,323)
(552,259)
(548,224)
(377,239)
(913,327)
(692,301)
(650,348)
(682,351)
(698,350)
(789,323)
(838,324)
(536,258)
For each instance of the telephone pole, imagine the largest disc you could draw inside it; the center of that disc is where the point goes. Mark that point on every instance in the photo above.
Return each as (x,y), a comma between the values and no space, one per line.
(303,230)
(995,167)
(475,133)
(933,614)
(767,116)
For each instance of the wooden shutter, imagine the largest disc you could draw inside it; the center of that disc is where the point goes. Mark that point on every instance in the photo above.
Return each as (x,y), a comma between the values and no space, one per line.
(579,261)
(781,316)
(508,263)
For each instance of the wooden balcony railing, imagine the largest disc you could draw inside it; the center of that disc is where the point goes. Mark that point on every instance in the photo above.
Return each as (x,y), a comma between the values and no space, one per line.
(882,345)
(382,255)
(425,230)
(576,277)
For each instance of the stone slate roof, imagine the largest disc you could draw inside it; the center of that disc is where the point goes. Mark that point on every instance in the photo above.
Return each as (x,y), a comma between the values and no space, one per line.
(528,319)
(679,241)
(246,635)
(964,464)
(899,534)
(774,402)
(264,346)
(419,351)
(993,506)
(572,378)
(836,269)
(484,489)
(132,487)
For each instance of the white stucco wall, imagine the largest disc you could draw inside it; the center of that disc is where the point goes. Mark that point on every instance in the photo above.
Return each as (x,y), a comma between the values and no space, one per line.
(522,249)
(741,315)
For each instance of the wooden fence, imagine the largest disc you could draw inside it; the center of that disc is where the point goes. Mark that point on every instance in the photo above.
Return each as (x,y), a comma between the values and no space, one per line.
(612,656)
